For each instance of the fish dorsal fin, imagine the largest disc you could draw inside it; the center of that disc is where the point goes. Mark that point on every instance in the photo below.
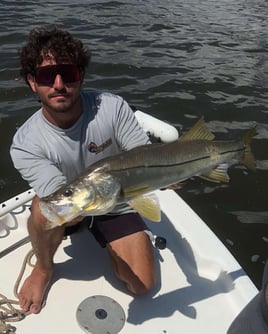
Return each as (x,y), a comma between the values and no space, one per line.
(218,174)
(198,131)
(147,206)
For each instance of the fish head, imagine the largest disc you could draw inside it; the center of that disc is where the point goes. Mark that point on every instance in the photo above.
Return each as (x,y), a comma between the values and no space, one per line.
(89,195)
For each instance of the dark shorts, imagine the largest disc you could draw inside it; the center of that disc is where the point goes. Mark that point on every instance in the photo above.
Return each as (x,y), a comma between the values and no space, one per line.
(112,227)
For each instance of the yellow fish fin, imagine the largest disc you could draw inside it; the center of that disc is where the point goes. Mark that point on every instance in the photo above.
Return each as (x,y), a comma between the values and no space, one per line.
(219,174)
(147,206)
(90,207)
(248,159)
(198,131)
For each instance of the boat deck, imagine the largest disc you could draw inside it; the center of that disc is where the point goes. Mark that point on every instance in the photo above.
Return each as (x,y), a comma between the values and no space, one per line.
(200,289)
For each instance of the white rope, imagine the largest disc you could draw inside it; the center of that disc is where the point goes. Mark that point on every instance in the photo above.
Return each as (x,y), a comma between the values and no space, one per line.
(8,312)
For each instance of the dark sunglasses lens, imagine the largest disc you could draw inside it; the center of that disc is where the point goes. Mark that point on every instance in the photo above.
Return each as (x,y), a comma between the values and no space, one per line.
(46,75)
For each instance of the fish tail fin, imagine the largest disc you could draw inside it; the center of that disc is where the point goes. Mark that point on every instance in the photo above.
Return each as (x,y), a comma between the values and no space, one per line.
(248,159)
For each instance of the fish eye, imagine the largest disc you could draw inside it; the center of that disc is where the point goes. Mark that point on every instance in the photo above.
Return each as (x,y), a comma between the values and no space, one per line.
(68,192)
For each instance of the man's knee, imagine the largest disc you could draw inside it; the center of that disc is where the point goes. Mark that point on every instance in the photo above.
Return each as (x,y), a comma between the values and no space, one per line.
(139,280)
(142,287)
(134,263)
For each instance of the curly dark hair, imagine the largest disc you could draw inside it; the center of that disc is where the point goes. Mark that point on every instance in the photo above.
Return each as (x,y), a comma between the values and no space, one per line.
(59,44)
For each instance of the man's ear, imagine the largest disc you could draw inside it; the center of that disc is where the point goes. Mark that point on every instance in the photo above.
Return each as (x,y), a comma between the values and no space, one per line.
(31,82)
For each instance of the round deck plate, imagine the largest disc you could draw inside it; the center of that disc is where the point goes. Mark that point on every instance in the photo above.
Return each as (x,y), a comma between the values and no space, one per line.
(100,315)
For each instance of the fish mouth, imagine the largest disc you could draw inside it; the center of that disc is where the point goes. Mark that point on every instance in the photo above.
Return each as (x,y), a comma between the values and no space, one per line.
(57,214)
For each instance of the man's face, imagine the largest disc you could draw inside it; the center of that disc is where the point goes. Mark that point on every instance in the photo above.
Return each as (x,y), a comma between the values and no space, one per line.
(55,86)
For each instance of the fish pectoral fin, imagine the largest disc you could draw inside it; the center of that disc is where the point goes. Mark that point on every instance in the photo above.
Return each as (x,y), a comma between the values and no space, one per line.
(90,207)
(198,132)
(219,174)
(147,206)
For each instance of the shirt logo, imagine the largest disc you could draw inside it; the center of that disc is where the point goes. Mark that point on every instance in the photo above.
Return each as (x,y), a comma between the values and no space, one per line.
(94,148)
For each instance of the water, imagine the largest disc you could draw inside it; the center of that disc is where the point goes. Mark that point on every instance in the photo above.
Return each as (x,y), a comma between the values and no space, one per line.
(176,60)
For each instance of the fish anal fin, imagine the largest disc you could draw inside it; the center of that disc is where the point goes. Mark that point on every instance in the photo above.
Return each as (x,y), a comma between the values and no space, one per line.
(218,174)
(147,206)
(198,132)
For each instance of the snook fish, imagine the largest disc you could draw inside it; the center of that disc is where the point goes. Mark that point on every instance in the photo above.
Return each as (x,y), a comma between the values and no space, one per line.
(128,177)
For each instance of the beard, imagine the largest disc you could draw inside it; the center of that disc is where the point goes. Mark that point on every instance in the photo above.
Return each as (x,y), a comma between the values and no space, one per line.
(60,102)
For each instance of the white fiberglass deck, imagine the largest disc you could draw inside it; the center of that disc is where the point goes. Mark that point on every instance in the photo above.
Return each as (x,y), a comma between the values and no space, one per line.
(200,289)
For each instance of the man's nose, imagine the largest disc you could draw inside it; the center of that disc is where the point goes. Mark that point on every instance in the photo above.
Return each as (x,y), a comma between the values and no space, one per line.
(58,82)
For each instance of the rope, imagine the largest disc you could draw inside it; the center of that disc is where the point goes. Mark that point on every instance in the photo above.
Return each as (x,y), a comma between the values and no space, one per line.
(8,312)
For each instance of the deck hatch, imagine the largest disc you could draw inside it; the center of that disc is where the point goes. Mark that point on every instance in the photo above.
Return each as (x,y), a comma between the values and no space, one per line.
(100,315)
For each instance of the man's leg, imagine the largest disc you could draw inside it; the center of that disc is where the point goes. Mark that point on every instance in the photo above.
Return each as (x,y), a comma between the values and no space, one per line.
(130,249)
(45,244)
(133,261)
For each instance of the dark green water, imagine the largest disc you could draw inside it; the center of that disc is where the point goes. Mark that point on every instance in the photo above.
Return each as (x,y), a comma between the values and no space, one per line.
(176,60)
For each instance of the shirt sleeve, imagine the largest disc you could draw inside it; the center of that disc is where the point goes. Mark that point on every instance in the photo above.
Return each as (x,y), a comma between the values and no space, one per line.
(40,173)
(128,131)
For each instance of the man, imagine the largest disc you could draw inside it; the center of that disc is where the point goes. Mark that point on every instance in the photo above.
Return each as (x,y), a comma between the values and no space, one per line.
(72,130)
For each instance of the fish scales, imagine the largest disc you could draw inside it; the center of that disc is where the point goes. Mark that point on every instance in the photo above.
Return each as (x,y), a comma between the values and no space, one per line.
(153,170)
(172,154)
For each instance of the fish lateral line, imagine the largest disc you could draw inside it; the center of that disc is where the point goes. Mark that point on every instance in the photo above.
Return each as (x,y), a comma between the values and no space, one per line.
(158,165)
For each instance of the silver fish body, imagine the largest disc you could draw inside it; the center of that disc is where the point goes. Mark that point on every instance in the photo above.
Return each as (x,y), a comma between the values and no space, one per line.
(155,166)
(128,175)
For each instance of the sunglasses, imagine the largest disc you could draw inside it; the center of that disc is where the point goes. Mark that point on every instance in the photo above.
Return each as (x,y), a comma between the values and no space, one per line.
(45,75)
